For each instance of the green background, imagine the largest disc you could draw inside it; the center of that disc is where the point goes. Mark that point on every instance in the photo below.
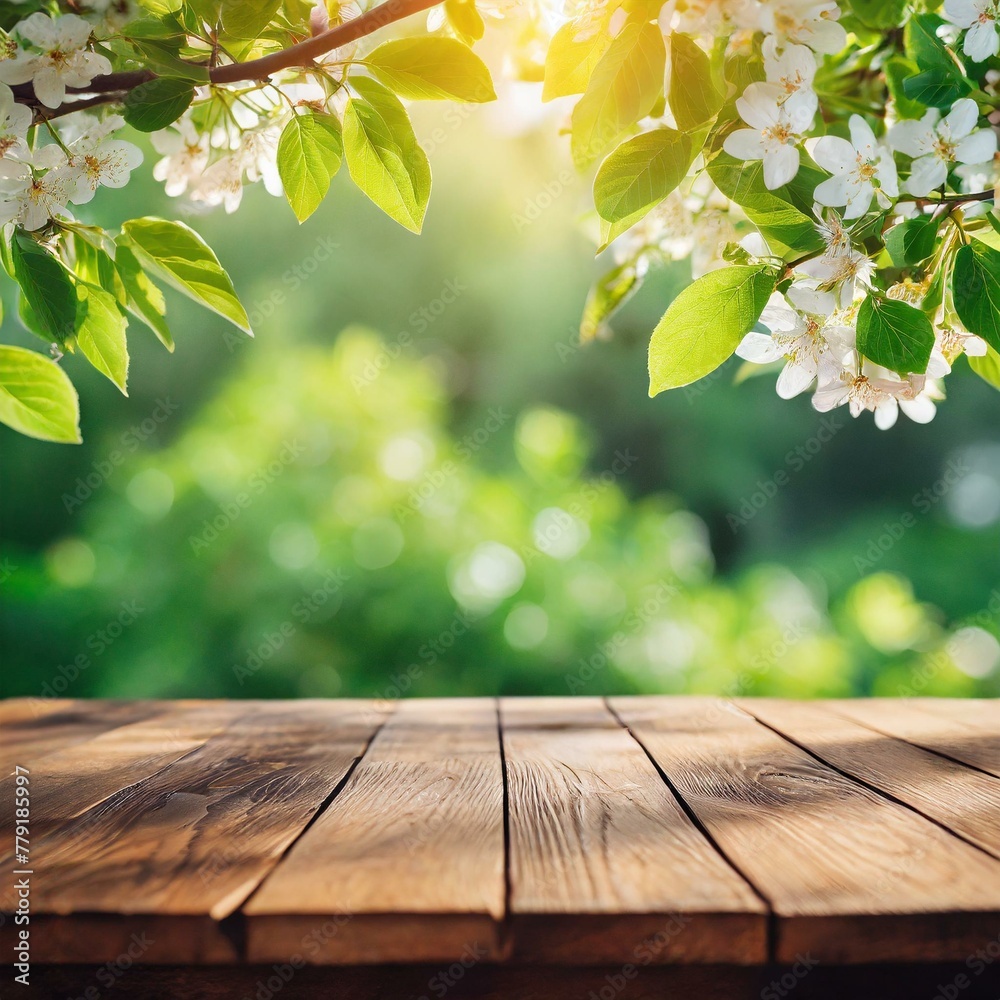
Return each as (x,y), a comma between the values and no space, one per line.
(414,481)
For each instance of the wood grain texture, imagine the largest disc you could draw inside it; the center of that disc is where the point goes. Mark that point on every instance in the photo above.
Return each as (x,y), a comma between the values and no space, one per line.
(851,876)
(407,863)
(192,839)
(962,799)
(965,730)
(31,728)
(604,864)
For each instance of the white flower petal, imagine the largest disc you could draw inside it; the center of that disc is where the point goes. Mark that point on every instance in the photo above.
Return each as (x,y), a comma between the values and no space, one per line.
(926,174)
(794,379)
(759,348)
(980,147)
(780,166)
(920,410)
(744,144)
(962,119)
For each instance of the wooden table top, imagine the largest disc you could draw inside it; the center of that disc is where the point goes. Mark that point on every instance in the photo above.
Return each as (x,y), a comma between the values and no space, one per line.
(561,831)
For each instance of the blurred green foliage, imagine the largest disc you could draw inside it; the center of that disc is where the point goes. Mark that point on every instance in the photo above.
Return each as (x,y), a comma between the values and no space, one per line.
(466,502)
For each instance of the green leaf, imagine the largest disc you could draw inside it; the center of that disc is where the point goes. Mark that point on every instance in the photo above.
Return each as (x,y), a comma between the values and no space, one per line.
(705,324)
(46,286)
(638,175)
(881,14)
(464,19)
(922,45)
(895,335)
(987,367)
(608,294)
(936,88)
(694,98)
(570,63)
(976,290)
(37,397)
(101,333)
(624,87)
(142,298)
(246,19)
(180,257)
(431,68)
(157,104)
(383,155)
(898,69)
(782,215)
(309,154)
(912,241)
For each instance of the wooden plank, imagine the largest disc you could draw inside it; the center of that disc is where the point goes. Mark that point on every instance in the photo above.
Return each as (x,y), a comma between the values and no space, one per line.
(30,728)
(980,713)
(851,876)
(181,849)
(962,799)
(408,860)
(963,737)
(604,863)
(67,783)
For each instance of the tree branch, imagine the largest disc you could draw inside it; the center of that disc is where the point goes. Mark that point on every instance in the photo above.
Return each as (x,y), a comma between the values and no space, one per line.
(302,54)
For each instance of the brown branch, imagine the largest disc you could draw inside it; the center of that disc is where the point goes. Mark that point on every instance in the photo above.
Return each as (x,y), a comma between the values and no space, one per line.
(301,54)
(953,199)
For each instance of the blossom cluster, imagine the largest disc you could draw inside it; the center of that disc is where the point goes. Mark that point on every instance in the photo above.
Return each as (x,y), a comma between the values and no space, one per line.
(869,172)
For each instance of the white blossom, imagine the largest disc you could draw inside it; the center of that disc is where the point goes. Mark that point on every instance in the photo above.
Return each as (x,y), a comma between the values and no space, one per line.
(29,199)
(774,134)
(840,268)
(806,333)
(15,120)
(185,156)
(875,389)
(53,56)
(789,75)
(980,18)
(937,145)
(95,159)
(862,169)
(804,22)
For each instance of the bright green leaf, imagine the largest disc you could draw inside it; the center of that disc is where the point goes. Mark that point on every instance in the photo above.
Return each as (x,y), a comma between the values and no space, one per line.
(101,333)
(46,286)
(694,98)
(383,155)
(987,367)
(432,68)
(638,175)
(37,397)
(180,257)
(246,19)
(464,19)
(143,299)
(976,290)
(157,104)
(309,154)
(705,324)
(570,62)
(881,14)
(624,87)
(609,293)
(895,335)
(912,241)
